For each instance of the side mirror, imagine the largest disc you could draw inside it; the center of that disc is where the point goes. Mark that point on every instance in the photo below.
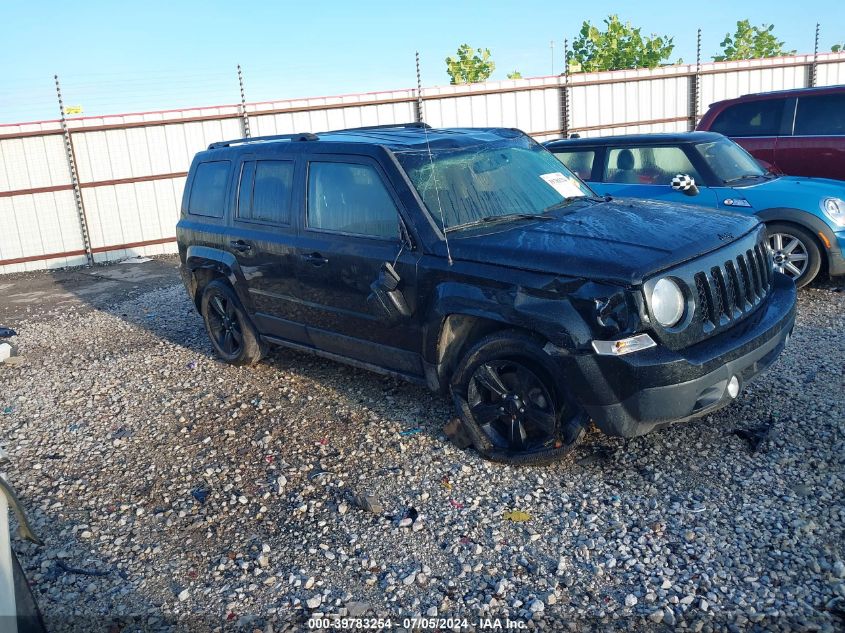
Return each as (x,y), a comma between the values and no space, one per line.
(685,184)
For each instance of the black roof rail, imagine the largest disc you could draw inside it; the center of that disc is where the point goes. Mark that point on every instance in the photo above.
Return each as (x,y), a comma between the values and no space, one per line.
(413,125)
(299,136)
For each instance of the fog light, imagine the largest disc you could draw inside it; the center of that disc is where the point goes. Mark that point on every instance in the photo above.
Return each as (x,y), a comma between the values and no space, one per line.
(733,387)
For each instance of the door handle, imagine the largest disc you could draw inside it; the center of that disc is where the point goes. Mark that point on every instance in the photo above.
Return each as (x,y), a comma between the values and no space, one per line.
(315,259)
(240,246)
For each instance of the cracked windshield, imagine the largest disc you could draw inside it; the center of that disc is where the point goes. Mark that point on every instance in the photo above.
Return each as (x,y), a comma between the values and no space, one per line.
(507,179)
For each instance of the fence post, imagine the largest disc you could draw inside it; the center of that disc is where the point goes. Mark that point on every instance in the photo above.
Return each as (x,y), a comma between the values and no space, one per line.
(564,93)
(419,112)
(74,178)
(695,86)
(815,66)
(244,115)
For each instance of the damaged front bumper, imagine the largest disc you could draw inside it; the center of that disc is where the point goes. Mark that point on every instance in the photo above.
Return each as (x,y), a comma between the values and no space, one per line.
(633,394)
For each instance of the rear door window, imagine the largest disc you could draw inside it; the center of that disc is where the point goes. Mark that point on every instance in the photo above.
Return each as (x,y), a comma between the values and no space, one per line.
(264,193)
(647,165)
(580,162)
(821,115)
(208,191)
(350,198)
(751,118)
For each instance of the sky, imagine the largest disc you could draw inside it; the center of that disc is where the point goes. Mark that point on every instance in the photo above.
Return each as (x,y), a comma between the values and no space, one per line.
(114,57)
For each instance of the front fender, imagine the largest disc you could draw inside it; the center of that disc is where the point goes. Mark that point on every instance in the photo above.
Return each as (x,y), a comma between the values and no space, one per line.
(553,318)
(828,241)
(801,218)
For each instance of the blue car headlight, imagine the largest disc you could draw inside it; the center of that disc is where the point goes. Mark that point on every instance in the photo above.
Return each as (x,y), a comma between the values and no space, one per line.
(834,209)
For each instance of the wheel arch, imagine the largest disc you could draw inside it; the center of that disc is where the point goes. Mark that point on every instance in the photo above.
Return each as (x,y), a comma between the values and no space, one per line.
(204,264)
(462,314)
(821,232)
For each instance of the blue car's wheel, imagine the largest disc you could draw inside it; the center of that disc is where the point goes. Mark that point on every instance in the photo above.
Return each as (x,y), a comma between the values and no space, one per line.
(795,252)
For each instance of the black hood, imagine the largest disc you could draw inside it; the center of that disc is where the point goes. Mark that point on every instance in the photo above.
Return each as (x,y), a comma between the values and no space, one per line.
(622,241)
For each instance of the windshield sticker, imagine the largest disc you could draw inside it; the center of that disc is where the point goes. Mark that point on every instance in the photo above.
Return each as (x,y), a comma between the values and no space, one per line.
(565,186)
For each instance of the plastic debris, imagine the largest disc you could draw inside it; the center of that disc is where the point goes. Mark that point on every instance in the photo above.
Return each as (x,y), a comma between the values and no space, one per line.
(136,260)
(369,503)
(446,483)
(7,332)
(454,430)
(517,516)
(410,432)
(5,352)
(409,517)
(200,494)
(192,365)
(757,436)
(8,410)
(456,504)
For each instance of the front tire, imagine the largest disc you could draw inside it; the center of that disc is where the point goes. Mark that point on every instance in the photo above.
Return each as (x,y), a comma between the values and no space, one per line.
(511,407)
(232,334)
(795,252)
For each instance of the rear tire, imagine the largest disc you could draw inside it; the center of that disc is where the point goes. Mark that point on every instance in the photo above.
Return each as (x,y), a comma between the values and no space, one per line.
(232,334)
(510,405)
(795,252)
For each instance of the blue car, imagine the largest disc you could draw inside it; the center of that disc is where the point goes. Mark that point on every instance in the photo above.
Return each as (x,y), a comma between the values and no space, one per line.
(805,217)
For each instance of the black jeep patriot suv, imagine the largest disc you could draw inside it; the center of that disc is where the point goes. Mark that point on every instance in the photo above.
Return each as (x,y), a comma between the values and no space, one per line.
(472,261)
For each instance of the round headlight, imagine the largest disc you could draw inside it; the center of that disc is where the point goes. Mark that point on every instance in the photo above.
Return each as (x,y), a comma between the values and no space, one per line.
(834,208)
(667,302)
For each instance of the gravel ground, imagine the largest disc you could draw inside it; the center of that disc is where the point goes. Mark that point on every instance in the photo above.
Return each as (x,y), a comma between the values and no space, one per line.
(174,492)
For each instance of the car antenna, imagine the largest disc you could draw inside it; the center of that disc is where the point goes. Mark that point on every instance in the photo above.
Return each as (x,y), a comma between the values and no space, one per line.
(437,193)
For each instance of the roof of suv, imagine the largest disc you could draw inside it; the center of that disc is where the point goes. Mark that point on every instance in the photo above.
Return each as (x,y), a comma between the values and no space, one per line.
(638,139)
(396,137)
(793,92)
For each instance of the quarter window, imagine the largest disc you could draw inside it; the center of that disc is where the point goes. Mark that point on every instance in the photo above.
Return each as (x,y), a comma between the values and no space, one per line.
(208,191)
(820,115)
(648,165)
(752,118)
(265,190)
(350,198)
(579,162)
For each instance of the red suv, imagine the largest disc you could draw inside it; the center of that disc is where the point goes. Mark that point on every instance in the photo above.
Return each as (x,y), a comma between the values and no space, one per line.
(799,132)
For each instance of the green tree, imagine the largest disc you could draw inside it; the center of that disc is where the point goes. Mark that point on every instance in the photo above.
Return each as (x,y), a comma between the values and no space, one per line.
(618,46)
(515,75)
(837,48)
(751,42)
(470,66)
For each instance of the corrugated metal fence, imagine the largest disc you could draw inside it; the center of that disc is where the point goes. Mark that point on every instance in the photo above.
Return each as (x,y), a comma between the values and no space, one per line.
(131,167)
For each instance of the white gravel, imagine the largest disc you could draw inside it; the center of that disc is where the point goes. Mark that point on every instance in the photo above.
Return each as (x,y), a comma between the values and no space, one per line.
(211,496)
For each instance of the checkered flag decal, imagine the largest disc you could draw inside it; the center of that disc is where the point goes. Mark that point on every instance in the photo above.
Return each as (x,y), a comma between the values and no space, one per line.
(682,183)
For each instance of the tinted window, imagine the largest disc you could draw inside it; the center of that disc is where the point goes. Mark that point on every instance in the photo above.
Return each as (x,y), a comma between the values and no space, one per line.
(753,118)
(350,198)
(820,115)
(265,191)
(647,165)
(579,162)
(208,191)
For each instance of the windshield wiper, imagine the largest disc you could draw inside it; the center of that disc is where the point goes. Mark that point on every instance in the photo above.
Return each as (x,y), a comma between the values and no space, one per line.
(507,217)
(568,201)
(514,216)
(744,177)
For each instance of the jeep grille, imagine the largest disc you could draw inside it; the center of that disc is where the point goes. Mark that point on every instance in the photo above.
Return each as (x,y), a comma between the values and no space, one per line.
(725,287)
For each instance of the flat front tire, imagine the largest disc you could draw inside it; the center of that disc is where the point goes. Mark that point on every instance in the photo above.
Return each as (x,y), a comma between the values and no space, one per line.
(511,406)
(232,334)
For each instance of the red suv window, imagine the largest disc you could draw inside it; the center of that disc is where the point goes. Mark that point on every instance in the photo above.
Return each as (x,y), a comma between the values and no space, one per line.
(751,118)
(820,115)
